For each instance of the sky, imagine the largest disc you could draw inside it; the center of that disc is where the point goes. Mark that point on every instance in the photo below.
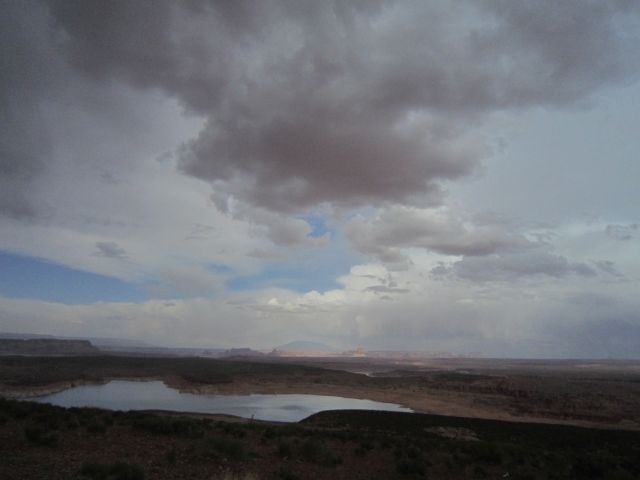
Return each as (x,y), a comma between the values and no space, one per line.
(451,176)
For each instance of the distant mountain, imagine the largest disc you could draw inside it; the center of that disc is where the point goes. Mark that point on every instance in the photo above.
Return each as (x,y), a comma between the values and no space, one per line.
(105,342)
(46,346)
(306,347)
(241,352)
(23,336)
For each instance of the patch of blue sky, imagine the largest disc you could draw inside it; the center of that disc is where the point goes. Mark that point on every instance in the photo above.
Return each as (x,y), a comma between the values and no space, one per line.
(29,277)
(318,224)
(312,269)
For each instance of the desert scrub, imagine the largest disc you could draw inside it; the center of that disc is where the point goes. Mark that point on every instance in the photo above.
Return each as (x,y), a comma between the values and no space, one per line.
(483,452)
(234,429)
(229,448)
(408,466)
(269,433)
(314,451)
(171,456)
(180,427)
(409,460)
(96,427)
(366,445)
(40,436)
(284,449)
(113,471)
(284,474)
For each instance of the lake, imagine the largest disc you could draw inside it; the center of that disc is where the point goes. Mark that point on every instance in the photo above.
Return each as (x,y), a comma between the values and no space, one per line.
(155,395)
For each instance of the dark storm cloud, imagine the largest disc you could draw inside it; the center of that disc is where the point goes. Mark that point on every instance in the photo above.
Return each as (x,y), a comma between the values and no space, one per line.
(507,267)
(353,103)
(26,73)
(110,250)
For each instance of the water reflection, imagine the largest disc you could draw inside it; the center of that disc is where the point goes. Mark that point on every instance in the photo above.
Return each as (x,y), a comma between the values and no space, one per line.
(155,395)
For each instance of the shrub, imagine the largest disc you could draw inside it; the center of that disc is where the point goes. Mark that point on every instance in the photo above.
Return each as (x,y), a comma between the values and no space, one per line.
(180,426)
(37,435)
(234,429)
(115,471)
(96,427)
(330,459)
(359,452)
(171,456)
(270,433)
(386,442)
(310,450)
(230,448)
(367,444)
(409,460)
(47,420)
(484,452)
(407,466)
(73,423)
(587,467)
(286,475)
(284,449)
(479,472)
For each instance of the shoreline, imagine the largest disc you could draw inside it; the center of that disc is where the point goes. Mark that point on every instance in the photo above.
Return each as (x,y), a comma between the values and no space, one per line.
(418,401)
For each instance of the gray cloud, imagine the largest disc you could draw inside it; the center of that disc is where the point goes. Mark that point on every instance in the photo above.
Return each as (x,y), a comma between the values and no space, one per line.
(386,289)
(436,230)
(353,104)
(26,73)
(623,232)
(110,250)
(387,285)
(506,267)
(607,266)
(280,229)
(200,232)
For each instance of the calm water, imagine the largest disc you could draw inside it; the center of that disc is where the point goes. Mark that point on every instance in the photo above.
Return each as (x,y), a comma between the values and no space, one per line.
(155,395)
